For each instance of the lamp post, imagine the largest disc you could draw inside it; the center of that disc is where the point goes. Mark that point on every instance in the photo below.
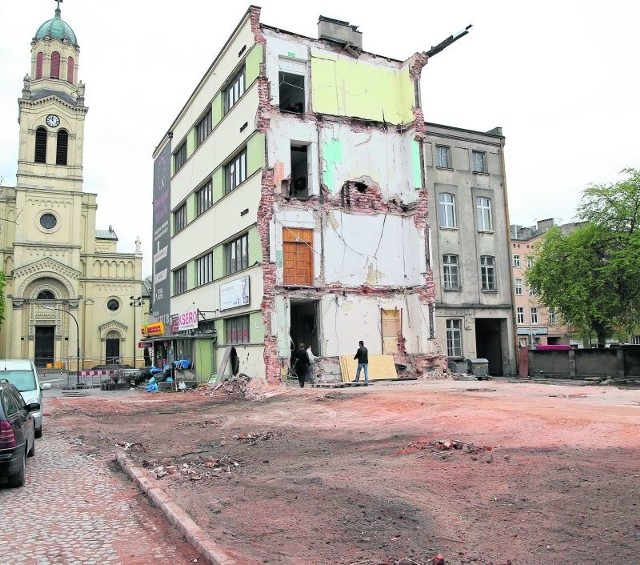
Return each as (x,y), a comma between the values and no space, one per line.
(135,301)
(77,339)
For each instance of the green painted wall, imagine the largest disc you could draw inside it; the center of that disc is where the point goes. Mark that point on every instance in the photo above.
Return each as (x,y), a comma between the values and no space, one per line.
(218,184)
(256,334)
(331,155)
(415,163)
(255,247)
(347,87)
(217,109)
(254,59)
(256,158)
(204,360)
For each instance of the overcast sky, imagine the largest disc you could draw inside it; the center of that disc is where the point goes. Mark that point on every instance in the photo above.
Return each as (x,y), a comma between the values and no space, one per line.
(557,75)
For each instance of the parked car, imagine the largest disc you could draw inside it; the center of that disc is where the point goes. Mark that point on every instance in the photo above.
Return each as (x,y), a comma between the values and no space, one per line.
(23,375)
(17,433)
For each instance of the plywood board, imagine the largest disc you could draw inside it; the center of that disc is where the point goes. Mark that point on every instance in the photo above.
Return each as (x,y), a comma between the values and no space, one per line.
(380,367)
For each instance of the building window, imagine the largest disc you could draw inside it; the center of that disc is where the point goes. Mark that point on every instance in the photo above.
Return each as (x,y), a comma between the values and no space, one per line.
(61,147)
(204,269)
(443,157)
(204,128)
(483,214)
(46,295)
(204,198)
(299,172)
(39,64)
(520,315)
(488,273)
(635,340)
(48,221)
(237,254)
(180,157)
(297,247)
(291,92)
(180,280)
(41,145)
(518,285)
(534,315)
(447,206)
(70,69)
(234,91)
(55,65)
(113,305)
(454,338)
(516,260)
(450,272)
(479,161)
(180,219)
(235,171)
(553,318)
(237,329)
(529,261)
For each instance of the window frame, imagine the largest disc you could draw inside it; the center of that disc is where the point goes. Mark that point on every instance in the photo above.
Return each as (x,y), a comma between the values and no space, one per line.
(180,156)
(204,269)
(533,313)
(447,210)
(484,214)
(236,254)
(520,315)
(180,218)
(479,167)
(204,127)
(204,197)
(62,147)
(237,324)
(443,150)
(488,279)
(450,272)
(234,90)
(180,280)
(454,337)
(518,287)
(234,177)
(516,260)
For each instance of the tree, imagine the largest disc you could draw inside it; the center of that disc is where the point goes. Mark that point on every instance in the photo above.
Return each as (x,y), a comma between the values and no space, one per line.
(591,275)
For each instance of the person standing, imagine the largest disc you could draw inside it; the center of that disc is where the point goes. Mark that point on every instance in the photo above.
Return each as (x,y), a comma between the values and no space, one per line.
(362,355)
(301,364)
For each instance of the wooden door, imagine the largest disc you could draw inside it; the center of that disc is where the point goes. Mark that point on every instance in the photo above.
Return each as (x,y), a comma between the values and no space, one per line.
(298,256)
(391,330)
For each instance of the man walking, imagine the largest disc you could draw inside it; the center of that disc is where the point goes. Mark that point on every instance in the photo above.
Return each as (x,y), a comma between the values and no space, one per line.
(362,355)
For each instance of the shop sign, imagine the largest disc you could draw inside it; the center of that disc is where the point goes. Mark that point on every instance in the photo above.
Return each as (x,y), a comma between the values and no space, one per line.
(157,328)
(234,293)
(188,320)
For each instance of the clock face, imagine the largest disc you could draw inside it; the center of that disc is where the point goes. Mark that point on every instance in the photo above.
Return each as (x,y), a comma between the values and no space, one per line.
(53,120)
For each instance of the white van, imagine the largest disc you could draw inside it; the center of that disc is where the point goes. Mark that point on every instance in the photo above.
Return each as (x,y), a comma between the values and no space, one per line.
(23,375)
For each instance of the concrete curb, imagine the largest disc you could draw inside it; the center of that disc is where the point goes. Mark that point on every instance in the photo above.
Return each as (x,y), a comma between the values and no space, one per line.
(212,552)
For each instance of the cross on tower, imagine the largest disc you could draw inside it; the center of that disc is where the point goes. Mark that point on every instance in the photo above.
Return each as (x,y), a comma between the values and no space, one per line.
(59,2)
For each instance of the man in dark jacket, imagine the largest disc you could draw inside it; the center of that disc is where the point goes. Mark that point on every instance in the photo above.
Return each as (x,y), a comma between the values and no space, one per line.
(362,355)
(301,365)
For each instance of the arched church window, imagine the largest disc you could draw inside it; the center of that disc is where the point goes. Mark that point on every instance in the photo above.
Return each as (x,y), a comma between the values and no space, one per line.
(41,145)
(70,69)
(39,63)
(61,147)
(55,65)
(46,295)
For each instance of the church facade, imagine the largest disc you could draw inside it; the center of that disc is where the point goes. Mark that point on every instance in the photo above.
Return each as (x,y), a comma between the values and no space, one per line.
(71,299)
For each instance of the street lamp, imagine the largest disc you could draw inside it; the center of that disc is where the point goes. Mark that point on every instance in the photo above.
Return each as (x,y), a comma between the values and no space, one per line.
(77,339)
(135,302)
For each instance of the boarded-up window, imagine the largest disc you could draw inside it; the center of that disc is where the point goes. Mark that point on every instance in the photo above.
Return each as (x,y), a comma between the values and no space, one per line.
(61,147)
(70,69)
(55,65)
(298,256)
(41,146)
(39,63)
(391,330)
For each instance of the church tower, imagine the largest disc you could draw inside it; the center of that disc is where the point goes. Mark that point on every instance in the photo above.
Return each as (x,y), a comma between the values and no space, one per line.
(67,288)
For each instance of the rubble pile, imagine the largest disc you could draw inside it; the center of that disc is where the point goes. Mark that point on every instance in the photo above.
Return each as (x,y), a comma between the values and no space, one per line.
(254,438)
(197,472)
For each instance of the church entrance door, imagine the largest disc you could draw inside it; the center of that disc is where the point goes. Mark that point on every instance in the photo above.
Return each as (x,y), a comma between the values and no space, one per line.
(113,350)
(44,346)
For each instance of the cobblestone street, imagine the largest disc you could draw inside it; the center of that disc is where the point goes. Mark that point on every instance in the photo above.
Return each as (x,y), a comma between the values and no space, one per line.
(74,510)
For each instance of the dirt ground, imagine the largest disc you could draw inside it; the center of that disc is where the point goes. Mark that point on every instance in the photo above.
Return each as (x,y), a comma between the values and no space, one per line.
(478,472)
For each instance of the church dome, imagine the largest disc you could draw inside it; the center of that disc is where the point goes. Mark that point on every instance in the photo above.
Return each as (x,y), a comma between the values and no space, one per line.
(55,28)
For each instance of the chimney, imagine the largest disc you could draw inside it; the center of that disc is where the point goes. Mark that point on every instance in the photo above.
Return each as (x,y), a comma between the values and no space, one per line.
(339,32)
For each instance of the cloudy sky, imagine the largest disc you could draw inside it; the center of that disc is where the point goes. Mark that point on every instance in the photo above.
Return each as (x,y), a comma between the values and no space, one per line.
(558,76)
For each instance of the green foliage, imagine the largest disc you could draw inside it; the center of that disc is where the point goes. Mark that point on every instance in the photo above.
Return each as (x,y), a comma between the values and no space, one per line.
(591,275)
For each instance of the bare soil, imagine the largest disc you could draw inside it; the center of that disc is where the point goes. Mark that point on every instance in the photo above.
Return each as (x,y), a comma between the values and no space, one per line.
(476,472)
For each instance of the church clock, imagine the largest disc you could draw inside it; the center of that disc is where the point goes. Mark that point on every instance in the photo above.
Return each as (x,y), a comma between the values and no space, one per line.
(53,121)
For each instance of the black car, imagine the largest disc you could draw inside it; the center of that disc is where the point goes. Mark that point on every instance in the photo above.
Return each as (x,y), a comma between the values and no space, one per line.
(17,433)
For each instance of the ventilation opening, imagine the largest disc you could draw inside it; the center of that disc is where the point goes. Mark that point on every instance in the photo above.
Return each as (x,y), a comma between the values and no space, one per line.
(41,145)
(61,148)
(292,93)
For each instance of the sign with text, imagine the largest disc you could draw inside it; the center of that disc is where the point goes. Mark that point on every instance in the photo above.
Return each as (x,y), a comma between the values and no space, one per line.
(157,328)
(188,320)
(234,294)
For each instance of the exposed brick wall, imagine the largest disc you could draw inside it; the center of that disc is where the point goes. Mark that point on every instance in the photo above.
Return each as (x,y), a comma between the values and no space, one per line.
(256,28)
(417,62)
